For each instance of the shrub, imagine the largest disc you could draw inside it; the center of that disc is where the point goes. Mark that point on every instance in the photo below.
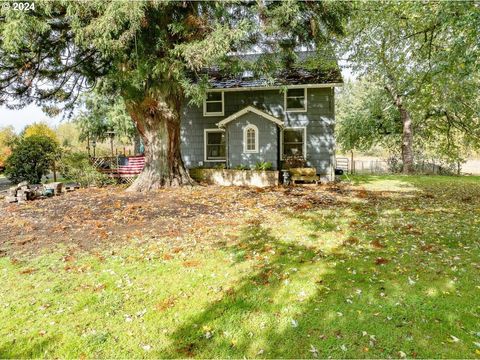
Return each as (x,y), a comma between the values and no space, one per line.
(31,158)
(263,165)
(241,167)
(76,166)
(394,164)
(219,166)
(424,165)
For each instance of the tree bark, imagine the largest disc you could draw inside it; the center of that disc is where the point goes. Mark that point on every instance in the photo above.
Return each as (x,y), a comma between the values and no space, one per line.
(407,141)
(407,131)
(158,123)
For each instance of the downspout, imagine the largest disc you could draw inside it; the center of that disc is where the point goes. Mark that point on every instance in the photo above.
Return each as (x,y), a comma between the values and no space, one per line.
(227,145)
(279,129)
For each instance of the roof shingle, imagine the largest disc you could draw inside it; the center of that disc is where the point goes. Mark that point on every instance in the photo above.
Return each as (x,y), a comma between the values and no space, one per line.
(295,75)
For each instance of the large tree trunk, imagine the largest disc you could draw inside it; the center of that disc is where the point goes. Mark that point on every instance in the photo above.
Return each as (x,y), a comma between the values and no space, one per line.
(407,141)
(407,131)
(158,123)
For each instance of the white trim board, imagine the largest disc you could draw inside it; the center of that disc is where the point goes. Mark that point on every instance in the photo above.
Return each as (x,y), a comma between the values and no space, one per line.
(295,110)
(221,113)
(280,87)
(205,131)
(245,130)
(304,140)
(246,110)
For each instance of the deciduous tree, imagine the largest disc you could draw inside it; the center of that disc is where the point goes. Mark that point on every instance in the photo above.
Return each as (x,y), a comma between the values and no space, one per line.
(41,129)
(426,57)
(7,136)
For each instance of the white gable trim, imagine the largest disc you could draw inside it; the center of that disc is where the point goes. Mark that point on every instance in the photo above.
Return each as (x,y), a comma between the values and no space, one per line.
(253,110)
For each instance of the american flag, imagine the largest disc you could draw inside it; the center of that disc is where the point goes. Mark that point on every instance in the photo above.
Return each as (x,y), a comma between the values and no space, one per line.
(132,166)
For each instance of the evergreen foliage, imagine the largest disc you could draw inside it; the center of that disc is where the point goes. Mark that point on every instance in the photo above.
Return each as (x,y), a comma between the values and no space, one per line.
(151,54)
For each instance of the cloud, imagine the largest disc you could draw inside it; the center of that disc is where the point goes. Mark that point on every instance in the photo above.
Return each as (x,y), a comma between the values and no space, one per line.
(26,116)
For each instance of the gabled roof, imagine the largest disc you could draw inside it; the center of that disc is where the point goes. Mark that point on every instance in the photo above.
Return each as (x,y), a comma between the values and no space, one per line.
(247,110)
(299,73)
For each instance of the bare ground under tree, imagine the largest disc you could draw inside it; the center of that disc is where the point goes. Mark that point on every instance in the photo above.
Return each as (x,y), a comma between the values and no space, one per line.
(95,218)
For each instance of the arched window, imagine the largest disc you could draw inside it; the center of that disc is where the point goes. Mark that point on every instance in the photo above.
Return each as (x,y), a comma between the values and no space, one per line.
(250,139)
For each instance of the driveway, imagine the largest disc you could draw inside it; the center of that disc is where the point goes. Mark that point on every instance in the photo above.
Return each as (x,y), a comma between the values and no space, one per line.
(4,184)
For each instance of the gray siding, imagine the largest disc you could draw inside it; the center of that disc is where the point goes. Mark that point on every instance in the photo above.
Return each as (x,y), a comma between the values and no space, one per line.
(319,120)
(267,141)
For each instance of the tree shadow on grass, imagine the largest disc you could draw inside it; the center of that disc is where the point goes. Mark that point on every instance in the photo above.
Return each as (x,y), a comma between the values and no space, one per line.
(359,299)
(26,347)
(247,314)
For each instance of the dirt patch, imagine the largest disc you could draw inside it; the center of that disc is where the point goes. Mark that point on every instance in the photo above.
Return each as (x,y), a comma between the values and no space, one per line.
(92,218)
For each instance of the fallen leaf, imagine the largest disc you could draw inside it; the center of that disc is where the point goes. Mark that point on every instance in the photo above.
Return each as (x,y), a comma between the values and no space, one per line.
(381,261)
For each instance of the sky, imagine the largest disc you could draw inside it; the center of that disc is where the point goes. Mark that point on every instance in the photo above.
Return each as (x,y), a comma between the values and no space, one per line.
(26,116)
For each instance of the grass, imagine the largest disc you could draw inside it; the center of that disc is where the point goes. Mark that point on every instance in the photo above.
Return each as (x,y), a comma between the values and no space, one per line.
(392,271)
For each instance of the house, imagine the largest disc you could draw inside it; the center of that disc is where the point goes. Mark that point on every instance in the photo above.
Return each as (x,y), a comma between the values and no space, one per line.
(246,120)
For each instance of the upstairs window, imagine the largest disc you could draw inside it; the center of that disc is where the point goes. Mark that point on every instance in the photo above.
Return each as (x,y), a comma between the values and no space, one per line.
(213,104)
(293,142)
(215,145)
(296,100)
(250,139)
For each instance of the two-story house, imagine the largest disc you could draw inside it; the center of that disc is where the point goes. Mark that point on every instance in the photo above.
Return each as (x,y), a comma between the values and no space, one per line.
(245,120)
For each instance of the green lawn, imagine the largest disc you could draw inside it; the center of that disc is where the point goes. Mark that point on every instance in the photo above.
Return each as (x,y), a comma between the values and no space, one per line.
(390,269)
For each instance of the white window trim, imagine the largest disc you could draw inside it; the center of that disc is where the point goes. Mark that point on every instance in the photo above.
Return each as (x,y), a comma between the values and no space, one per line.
(248,127)
(305,93)
(304,140)
(205,113)
(205,132)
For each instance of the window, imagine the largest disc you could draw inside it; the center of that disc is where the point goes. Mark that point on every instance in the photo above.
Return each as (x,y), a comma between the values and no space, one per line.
(215,149)
(213,104)
(250,139)
(296,100)
(293,142)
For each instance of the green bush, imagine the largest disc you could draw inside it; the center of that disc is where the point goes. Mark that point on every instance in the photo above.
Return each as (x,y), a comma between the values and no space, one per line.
(241,167)
(263,165)
(219,166)
(76,166)
(32,158)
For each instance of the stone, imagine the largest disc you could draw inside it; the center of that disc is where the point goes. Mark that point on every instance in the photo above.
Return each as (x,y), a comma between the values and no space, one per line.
(11,199)
(56,186)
